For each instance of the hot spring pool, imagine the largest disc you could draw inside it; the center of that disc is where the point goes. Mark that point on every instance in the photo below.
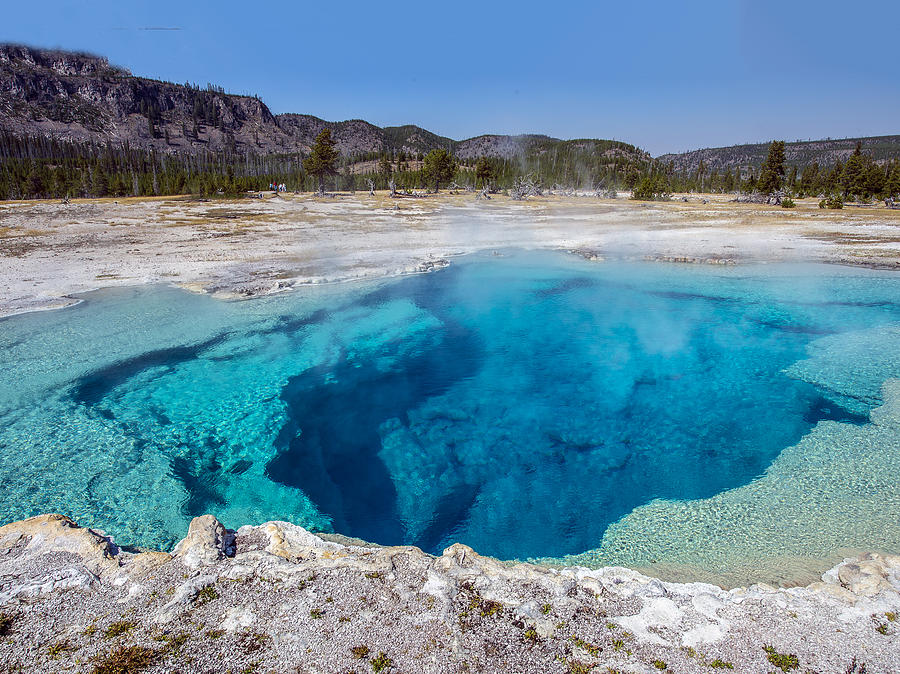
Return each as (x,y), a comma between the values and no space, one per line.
(529,404)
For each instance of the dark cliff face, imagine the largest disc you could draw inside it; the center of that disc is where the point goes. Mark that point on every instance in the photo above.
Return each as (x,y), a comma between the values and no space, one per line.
(82,97)
(61,62)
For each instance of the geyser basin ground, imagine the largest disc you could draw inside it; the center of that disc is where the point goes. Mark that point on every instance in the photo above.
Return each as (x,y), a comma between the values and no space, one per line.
(531,405)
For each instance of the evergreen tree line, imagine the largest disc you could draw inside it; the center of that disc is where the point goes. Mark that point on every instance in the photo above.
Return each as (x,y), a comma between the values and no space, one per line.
(860,177)
(41,167)
(33,167)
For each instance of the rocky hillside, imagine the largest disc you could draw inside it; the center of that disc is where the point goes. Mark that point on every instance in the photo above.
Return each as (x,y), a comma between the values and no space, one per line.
(77,96)
(82,97)
(747,158)
(508,147)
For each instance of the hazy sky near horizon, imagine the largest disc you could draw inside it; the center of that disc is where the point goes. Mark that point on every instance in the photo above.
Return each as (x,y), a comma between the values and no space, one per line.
(663,75)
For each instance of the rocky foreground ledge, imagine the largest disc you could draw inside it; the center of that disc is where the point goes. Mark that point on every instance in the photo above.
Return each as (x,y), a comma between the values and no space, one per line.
(276,598)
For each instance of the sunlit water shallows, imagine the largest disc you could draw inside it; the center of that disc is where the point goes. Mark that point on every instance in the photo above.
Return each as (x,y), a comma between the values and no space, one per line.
(531,405)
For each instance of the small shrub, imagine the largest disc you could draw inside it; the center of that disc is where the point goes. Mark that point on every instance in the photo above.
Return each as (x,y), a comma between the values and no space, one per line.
(530,634)
(882,628)
(831,202)
(546,608)
(207,594)
(659,664)
(787,202)
(490,608)
(576,667)
(720,664)
(253,641)
(374,574)
(652,188)
(590,648)
(215,634)
(126,660)
(783,661)
(316,613)
(57,649)
(359,652)
(119,628)
(178,640)
(380,663)
(891,616)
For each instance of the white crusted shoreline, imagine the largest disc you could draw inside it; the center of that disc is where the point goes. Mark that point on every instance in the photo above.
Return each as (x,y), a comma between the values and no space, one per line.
(51,251)
(275,597)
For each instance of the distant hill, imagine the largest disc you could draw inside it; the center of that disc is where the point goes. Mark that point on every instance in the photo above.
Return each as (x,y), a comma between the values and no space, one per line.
(747,158)
(508,147)
(80,97)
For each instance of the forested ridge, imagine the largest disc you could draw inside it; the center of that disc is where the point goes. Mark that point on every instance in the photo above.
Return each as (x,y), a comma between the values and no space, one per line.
(72,125)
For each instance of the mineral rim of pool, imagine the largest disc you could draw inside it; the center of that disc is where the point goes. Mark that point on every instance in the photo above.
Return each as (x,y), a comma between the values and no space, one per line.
(698,420)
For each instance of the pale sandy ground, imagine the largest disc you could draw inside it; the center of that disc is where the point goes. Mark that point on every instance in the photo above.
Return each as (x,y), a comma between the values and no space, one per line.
(49,251)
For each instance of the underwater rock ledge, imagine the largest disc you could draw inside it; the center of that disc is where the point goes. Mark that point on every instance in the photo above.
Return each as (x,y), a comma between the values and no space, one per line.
(276,597)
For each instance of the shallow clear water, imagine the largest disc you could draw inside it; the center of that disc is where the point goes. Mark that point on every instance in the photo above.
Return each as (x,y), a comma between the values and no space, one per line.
(520,403)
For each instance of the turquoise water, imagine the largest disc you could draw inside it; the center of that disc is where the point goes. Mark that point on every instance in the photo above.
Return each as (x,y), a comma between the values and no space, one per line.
(523,403)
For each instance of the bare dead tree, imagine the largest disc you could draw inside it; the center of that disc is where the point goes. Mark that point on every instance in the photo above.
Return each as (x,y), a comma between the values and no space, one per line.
(524,187)
(371,184)
(393,187)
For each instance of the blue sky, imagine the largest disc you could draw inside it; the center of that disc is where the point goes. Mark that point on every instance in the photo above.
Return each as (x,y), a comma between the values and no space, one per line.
(666,76)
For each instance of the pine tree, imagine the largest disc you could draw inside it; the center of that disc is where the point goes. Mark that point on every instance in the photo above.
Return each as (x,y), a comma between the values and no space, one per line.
(792,178)
(385,168)
(875,178)
(728,182)
(484,172)
(772,174)
(439,167)
(322,160)
(852,177)
(809,182)
(892,188)
(832,179)
(99,183)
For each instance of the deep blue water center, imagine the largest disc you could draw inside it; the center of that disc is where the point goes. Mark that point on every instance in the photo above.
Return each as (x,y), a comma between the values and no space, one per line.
(518,403)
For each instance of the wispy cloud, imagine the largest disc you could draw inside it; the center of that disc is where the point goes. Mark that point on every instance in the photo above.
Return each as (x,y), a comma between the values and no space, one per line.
(148,28)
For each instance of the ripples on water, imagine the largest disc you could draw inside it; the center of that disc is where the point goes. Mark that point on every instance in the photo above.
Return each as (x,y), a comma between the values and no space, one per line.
(519,404)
